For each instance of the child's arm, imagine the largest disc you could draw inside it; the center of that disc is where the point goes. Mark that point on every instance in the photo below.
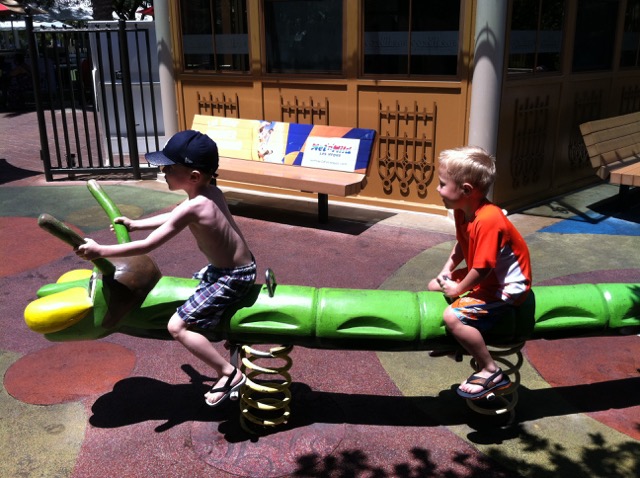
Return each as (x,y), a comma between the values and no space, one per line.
(455,258)
(452,288)
(173,223)
(141,224)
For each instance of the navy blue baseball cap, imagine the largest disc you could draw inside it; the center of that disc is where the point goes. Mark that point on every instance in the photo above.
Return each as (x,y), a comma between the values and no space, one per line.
(189,148)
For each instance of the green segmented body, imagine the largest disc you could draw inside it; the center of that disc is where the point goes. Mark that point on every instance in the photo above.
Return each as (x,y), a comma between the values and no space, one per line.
(368,319)
(354,318)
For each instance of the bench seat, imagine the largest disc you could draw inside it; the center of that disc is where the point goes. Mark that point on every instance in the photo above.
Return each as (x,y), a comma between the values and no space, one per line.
(334,183)
(628,175)
(238,140)
(613,145)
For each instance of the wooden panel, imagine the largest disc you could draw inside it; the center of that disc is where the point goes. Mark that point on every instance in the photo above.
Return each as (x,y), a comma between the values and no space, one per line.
(414,125)
(525,152)
(311,103)
(624,151)
(237,99)
(612,134)
(616,149)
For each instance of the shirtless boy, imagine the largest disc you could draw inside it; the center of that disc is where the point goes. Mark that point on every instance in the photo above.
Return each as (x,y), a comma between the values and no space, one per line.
(189,161)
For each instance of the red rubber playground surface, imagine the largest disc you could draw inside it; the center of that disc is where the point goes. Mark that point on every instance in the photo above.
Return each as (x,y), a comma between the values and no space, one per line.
(126,406)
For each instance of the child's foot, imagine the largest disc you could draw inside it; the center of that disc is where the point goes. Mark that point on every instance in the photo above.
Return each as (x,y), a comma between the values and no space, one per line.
(481,384)
(219,392)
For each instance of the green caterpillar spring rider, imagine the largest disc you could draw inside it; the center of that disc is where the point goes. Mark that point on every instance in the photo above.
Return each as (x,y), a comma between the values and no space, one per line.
(130,296)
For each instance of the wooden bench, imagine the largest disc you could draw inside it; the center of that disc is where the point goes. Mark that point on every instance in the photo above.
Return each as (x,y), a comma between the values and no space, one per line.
(327,160)
(613,145)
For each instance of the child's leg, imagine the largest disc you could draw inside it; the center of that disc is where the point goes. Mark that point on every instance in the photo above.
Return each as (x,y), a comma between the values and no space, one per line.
(473,342)
(200,346)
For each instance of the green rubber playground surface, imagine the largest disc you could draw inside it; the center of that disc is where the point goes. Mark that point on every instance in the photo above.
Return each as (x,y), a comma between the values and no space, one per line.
(75,205)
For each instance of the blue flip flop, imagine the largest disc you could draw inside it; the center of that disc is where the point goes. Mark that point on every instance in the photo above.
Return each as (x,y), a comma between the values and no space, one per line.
(488,384)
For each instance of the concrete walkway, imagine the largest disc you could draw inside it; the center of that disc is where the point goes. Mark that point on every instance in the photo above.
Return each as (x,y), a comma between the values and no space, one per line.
(124,406)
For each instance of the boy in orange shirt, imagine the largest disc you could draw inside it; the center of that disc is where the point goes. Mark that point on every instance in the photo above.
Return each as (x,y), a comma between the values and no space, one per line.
(498,268)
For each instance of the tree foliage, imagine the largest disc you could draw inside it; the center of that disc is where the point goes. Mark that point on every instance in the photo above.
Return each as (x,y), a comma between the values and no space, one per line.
(102,9)
(126,9)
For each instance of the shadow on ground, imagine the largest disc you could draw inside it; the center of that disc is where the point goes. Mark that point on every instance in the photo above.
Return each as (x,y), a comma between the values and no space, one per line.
(592,206)
(626,208)
(308,219)
(139,399)
(10,173)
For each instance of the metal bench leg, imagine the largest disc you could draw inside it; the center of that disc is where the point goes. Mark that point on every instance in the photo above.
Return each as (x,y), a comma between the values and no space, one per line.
(323,208)
(623,191)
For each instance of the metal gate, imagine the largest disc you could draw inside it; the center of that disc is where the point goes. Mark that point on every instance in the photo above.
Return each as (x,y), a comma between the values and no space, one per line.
(97,111)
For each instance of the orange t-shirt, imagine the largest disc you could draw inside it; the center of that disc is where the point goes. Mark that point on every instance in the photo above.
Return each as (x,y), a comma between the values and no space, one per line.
(491,241)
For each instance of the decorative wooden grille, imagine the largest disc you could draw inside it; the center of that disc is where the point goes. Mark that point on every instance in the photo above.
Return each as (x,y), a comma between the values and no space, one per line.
(215,106)
(406,147)
(630,101)
(301,112)
(588,106)
(529,135)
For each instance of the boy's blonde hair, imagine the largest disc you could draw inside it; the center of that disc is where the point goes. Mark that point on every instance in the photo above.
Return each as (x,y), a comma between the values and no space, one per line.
(469,164)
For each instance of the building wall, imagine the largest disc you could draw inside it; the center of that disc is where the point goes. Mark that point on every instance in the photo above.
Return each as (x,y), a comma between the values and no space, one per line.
(540,150)
(540,153)
(413,119)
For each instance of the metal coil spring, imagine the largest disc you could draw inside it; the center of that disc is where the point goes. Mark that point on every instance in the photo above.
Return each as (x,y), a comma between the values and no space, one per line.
(508,398)
(265,403)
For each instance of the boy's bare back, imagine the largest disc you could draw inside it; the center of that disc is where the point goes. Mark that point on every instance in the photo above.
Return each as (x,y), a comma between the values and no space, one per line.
(215,231)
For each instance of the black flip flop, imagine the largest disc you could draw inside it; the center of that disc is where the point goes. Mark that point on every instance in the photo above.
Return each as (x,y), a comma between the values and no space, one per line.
(227,388)
(488,385)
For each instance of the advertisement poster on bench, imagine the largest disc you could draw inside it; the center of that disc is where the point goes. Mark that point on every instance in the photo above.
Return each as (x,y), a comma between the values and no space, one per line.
(339,148)
(272,141)
(338,154)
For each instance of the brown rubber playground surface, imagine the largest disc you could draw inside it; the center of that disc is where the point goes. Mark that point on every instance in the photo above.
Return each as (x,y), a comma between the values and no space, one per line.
(125,406)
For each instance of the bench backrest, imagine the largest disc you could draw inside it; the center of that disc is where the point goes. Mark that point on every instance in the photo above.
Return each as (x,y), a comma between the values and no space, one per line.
(612,140)
(337,148)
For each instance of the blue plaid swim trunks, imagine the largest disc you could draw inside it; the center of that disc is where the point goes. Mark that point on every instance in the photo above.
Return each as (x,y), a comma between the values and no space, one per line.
(217,290)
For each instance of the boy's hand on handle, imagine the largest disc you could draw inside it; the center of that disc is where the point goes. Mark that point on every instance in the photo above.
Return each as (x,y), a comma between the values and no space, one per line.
(449,287)
(442,277)
(89,251)
(125,221)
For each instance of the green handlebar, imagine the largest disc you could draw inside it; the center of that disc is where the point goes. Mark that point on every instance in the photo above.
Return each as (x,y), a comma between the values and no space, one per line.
(112,210)
(63,232)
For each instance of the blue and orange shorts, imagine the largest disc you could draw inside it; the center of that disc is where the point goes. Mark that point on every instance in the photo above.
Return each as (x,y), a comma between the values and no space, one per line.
(478,313)
(476,309)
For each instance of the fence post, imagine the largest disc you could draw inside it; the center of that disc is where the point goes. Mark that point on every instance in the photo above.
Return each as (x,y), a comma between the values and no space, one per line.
(129,115)
(35,77)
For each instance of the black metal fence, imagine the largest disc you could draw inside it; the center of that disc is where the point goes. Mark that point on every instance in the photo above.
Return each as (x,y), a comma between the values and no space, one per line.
(96,93)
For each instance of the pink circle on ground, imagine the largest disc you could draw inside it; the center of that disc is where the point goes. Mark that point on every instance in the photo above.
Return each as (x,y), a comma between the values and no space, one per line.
(68,372)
